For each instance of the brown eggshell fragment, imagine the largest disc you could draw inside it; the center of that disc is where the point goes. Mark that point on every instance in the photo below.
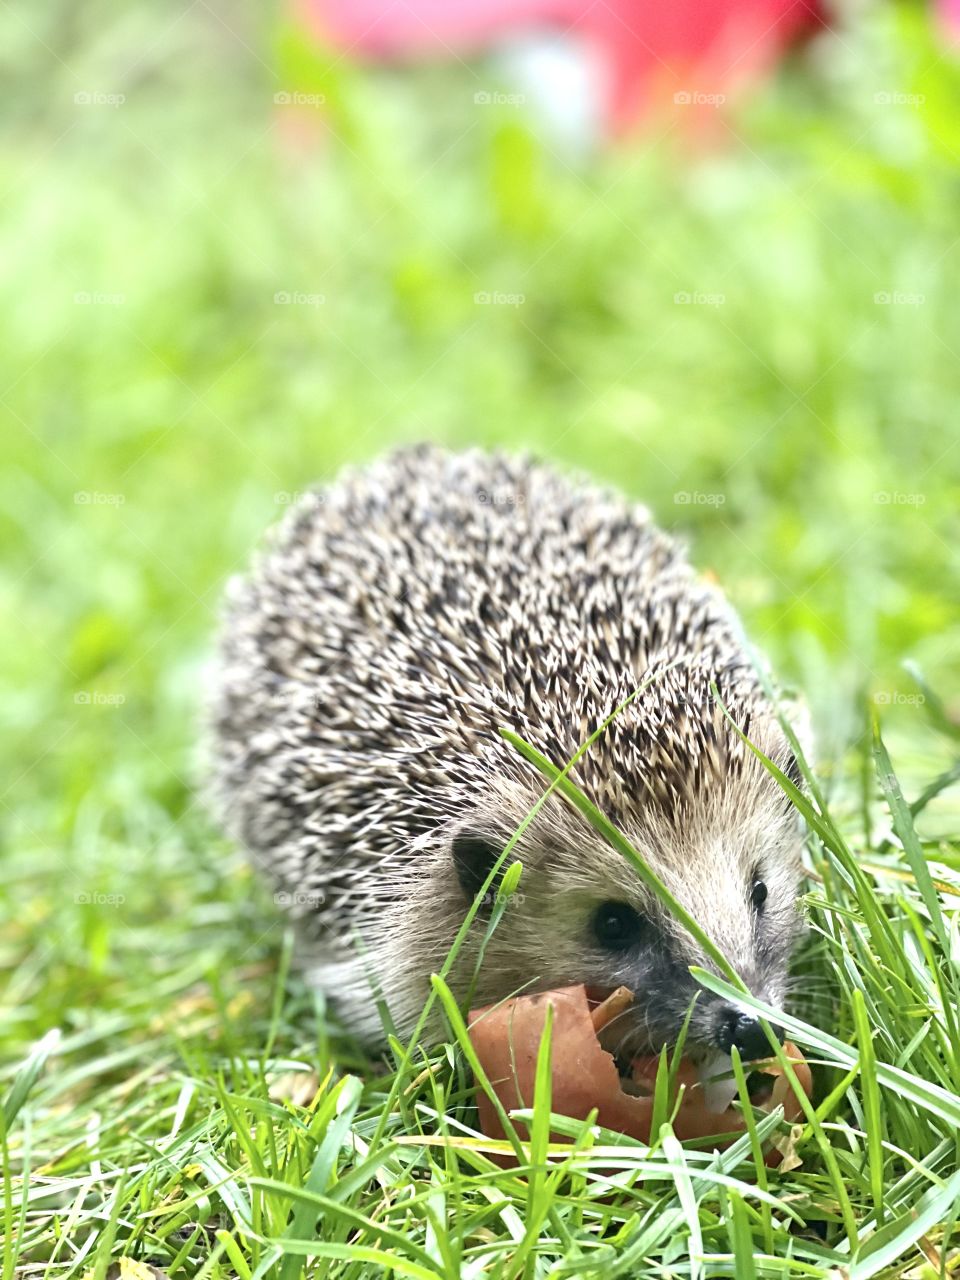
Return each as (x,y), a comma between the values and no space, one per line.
(609,1010)
(506,1038)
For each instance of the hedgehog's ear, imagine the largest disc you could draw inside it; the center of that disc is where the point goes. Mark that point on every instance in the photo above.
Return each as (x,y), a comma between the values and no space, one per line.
(473,858)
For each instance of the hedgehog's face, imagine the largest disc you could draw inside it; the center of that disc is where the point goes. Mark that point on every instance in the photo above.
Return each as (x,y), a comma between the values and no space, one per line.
(743,891)
(582,915)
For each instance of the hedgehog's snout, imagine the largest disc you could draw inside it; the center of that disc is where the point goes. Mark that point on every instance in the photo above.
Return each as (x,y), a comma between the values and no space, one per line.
(734,1027)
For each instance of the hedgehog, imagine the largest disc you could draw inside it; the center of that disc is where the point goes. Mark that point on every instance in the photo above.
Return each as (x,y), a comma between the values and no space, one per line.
(393,625)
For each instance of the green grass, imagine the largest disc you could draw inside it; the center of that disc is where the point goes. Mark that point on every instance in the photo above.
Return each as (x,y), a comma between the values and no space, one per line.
(800,433)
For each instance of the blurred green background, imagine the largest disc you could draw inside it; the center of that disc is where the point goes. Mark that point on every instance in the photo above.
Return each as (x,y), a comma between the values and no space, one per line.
(759,337)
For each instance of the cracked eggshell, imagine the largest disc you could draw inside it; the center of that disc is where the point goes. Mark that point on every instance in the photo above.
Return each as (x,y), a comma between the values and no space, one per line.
(584,1076)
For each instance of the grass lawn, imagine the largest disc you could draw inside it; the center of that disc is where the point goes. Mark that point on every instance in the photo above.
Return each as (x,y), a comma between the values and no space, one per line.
(761,339)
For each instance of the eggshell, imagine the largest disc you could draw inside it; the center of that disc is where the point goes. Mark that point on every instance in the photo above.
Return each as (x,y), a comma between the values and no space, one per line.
(584,1076)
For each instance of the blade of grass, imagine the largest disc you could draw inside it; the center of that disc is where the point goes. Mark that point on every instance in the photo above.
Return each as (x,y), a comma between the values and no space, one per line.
(750,1120)
(346,1095)
(886,1245)
(26,1078)
(903,826)
(317,1204)
(873,1110)
(741,1238)
(688,1200)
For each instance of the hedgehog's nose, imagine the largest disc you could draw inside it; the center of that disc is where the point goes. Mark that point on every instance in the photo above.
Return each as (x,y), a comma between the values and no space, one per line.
(746,1033)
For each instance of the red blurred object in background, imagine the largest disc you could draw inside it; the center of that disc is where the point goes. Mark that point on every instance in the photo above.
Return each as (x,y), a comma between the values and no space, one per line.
(949,13)
(645,53)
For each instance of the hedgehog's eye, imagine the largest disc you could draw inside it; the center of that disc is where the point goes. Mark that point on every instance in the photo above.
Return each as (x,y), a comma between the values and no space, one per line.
(758,895)
(617,926)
